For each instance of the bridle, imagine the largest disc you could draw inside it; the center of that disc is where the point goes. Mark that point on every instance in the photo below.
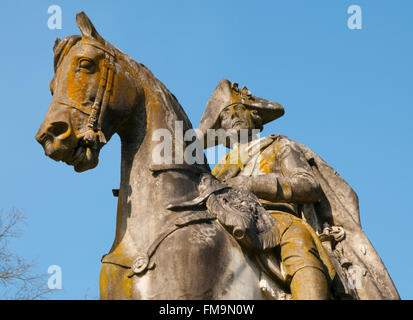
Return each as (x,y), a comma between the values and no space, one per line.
(97,111)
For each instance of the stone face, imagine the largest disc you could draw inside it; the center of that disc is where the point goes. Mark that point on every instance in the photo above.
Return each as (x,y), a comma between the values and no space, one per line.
(183,233)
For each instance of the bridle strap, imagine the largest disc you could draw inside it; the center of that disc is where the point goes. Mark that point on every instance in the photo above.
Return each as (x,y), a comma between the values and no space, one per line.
(81,108)
(97,45)
(92,121)
(105,87)
(99,106)
(109,60)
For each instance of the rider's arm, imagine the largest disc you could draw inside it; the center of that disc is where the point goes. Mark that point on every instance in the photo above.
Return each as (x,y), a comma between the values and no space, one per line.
(296,183)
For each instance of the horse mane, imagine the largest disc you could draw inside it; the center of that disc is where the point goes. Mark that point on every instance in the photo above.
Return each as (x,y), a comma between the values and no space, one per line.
(172,106)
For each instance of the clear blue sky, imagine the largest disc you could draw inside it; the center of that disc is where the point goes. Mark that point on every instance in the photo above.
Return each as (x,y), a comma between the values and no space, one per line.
(347,95)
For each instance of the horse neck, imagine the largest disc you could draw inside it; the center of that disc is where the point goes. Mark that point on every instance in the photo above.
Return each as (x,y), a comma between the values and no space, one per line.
(144,194)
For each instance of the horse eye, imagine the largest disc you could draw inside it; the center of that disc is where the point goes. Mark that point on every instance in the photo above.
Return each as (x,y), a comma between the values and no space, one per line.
(85,63)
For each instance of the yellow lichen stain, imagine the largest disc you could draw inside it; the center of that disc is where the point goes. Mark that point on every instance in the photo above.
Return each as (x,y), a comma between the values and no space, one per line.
(268,158)
(104,283)
(237,97)
(81,85)
(112,275)
(228,166)
(127,286)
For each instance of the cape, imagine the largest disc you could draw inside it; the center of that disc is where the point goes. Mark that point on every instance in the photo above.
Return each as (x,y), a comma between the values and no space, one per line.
(336,218)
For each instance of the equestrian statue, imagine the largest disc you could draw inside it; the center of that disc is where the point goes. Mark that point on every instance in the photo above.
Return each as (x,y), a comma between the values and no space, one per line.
(271,221)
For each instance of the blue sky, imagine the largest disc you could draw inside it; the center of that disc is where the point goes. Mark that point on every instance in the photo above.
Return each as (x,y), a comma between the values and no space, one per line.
(347,95)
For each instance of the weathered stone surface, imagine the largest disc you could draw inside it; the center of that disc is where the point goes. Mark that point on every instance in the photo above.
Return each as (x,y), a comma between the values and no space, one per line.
(173,238)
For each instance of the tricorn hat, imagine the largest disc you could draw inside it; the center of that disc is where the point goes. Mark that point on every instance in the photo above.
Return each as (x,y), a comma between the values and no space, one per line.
(227,93)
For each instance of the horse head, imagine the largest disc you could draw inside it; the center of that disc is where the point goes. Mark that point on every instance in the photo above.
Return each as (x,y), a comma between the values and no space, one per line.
(94,90)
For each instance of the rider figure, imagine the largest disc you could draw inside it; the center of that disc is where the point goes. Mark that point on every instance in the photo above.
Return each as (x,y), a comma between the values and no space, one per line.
(279,175)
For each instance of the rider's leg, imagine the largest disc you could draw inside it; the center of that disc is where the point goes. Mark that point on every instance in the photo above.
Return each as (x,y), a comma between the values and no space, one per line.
(301,264)
(309,284)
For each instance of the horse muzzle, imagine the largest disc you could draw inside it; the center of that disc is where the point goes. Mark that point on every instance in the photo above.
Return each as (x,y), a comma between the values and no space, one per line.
(62,145)
(57,139)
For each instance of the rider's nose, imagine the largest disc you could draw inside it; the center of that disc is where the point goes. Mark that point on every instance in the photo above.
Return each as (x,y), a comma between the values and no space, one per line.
(59,130)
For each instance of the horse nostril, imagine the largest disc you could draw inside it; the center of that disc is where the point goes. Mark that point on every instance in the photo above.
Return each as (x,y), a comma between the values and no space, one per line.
(58,128)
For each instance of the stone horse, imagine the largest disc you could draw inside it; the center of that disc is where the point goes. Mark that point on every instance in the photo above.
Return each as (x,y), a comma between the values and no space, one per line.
(168,245)
(157,253)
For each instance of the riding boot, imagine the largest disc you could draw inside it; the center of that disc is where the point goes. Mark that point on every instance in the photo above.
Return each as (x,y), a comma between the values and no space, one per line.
(309,284)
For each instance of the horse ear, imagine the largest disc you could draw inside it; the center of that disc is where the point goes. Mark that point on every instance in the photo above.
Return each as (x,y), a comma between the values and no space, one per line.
(86,27)
(56,44)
